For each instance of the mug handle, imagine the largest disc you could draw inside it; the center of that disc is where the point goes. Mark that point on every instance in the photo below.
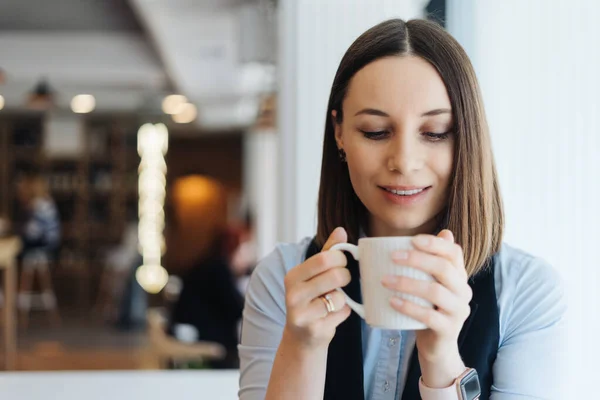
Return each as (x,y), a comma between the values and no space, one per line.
(352,249)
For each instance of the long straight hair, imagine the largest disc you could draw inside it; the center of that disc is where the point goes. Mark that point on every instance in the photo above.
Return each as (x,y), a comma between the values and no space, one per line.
(474,211)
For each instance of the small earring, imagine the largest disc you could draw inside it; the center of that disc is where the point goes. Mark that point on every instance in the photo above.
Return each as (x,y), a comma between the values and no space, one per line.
(342,154)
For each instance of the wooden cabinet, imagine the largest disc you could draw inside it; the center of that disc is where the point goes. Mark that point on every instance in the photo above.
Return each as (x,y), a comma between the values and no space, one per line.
(95,191)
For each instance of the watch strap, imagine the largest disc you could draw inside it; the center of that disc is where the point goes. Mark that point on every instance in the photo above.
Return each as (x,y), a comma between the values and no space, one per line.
(465,387)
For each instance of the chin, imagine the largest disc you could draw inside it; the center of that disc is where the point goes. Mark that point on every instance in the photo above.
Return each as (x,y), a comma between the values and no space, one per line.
(406,225)
(403,221)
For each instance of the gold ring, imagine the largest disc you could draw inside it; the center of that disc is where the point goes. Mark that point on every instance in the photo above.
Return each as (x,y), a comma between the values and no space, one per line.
(327,306)
(328,303)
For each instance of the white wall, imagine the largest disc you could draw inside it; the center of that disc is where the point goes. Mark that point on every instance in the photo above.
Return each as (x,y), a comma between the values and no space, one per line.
(260,185)
(538,63)
(314,35)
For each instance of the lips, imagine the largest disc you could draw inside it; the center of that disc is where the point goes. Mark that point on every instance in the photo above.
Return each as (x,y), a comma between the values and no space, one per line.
(405,190)
(405,195)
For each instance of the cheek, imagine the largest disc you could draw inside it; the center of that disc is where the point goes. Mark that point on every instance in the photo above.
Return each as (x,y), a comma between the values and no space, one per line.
(442,162)
(359,175)
(363,163)
(362,169)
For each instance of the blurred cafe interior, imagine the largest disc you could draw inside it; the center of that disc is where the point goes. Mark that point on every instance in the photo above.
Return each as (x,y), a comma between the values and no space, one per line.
(153,151)
(125,130)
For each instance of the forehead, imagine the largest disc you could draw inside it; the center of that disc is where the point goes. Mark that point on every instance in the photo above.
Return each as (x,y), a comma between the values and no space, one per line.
(397,84)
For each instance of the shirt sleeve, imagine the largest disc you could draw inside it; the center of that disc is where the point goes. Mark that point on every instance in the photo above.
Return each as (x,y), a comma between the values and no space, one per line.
(531,358)
(263,321)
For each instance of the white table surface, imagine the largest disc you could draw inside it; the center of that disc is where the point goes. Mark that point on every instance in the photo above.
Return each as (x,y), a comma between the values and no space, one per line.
(116,385)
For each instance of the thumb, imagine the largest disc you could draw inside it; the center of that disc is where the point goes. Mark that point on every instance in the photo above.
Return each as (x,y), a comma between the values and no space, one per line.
(446,234)
(338,235)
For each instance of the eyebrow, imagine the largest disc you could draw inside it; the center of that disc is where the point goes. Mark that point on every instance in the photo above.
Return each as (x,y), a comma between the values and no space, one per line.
(372,111)
(437,111)
(379,113)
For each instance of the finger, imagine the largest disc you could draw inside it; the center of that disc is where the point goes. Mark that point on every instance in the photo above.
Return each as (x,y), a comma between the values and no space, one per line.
(325,283)
(325,260)
(440,247)
(440,268)
(318,308)
(338,235)
(446,234)
(433,292)
(336,318)
(316,265)
(433,319)
(319,323)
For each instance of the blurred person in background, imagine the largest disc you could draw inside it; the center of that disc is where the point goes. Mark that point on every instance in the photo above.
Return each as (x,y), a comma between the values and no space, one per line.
(39,221)
(196,250)
(241,245)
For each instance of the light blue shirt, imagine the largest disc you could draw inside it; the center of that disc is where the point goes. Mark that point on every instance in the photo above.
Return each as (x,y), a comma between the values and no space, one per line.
(531,353)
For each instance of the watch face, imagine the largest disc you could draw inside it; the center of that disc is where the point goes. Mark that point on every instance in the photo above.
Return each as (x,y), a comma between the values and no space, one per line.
(470,386)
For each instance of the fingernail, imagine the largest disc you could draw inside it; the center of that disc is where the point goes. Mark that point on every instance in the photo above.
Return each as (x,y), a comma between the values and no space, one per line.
(389,280)
(400,255)
(421,240)
(396,301)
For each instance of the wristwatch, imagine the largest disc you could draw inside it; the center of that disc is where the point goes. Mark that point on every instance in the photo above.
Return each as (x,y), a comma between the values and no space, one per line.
(465,387)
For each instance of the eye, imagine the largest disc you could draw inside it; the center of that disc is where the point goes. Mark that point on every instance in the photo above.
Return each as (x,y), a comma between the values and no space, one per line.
(375,135)
(436,137)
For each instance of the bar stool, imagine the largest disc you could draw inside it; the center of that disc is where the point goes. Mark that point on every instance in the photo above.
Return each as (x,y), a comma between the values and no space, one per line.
(37,262)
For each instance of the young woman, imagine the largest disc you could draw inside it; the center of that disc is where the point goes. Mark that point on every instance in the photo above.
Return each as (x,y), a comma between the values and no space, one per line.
(406,153)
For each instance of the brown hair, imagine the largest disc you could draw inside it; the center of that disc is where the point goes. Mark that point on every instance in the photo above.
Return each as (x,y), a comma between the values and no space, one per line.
(474,211)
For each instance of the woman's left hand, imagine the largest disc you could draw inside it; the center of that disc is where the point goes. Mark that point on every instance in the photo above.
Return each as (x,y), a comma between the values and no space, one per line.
(450,293)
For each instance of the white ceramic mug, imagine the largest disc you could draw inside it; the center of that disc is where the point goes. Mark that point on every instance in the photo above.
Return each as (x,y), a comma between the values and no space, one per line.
(374,256)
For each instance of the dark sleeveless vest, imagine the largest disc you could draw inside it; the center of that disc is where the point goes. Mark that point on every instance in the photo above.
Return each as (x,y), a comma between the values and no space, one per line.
(477,342)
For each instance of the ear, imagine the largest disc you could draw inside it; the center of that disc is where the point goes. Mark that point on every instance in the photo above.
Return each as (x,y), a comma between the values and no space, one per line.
(337,130)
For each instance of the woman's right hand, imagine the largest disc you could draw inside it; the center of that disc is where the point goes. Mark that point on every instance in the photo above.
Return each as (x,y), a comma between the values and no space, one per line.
(309,324)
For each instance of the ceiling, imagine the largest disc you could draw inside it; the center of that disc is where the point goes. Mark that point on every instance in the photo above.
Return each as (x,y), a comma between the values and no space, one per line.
(68,15)
(130,53)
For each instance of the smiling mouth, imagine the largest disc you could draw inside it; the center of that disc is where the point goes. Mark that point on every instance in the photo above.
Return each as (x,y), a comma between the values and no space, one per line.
(410,192)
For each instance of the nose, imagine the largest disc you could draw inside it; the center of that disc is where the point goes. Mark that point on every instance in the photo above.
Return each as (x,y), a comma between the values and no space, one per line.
(404,153)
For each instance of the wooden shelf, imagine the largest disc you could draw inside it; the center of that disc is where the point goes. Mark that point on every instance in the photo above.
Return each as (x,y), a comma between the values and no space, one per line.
(63,194)
(71,231)
(65,160)
(102,193)
(104,232)
(82,203)
(92,218)
(102,160)
(27,154)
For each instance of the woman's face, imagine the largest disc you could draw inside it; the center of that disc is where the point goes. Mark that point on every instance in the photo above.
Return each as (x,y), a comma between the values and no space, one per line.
(396,133)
